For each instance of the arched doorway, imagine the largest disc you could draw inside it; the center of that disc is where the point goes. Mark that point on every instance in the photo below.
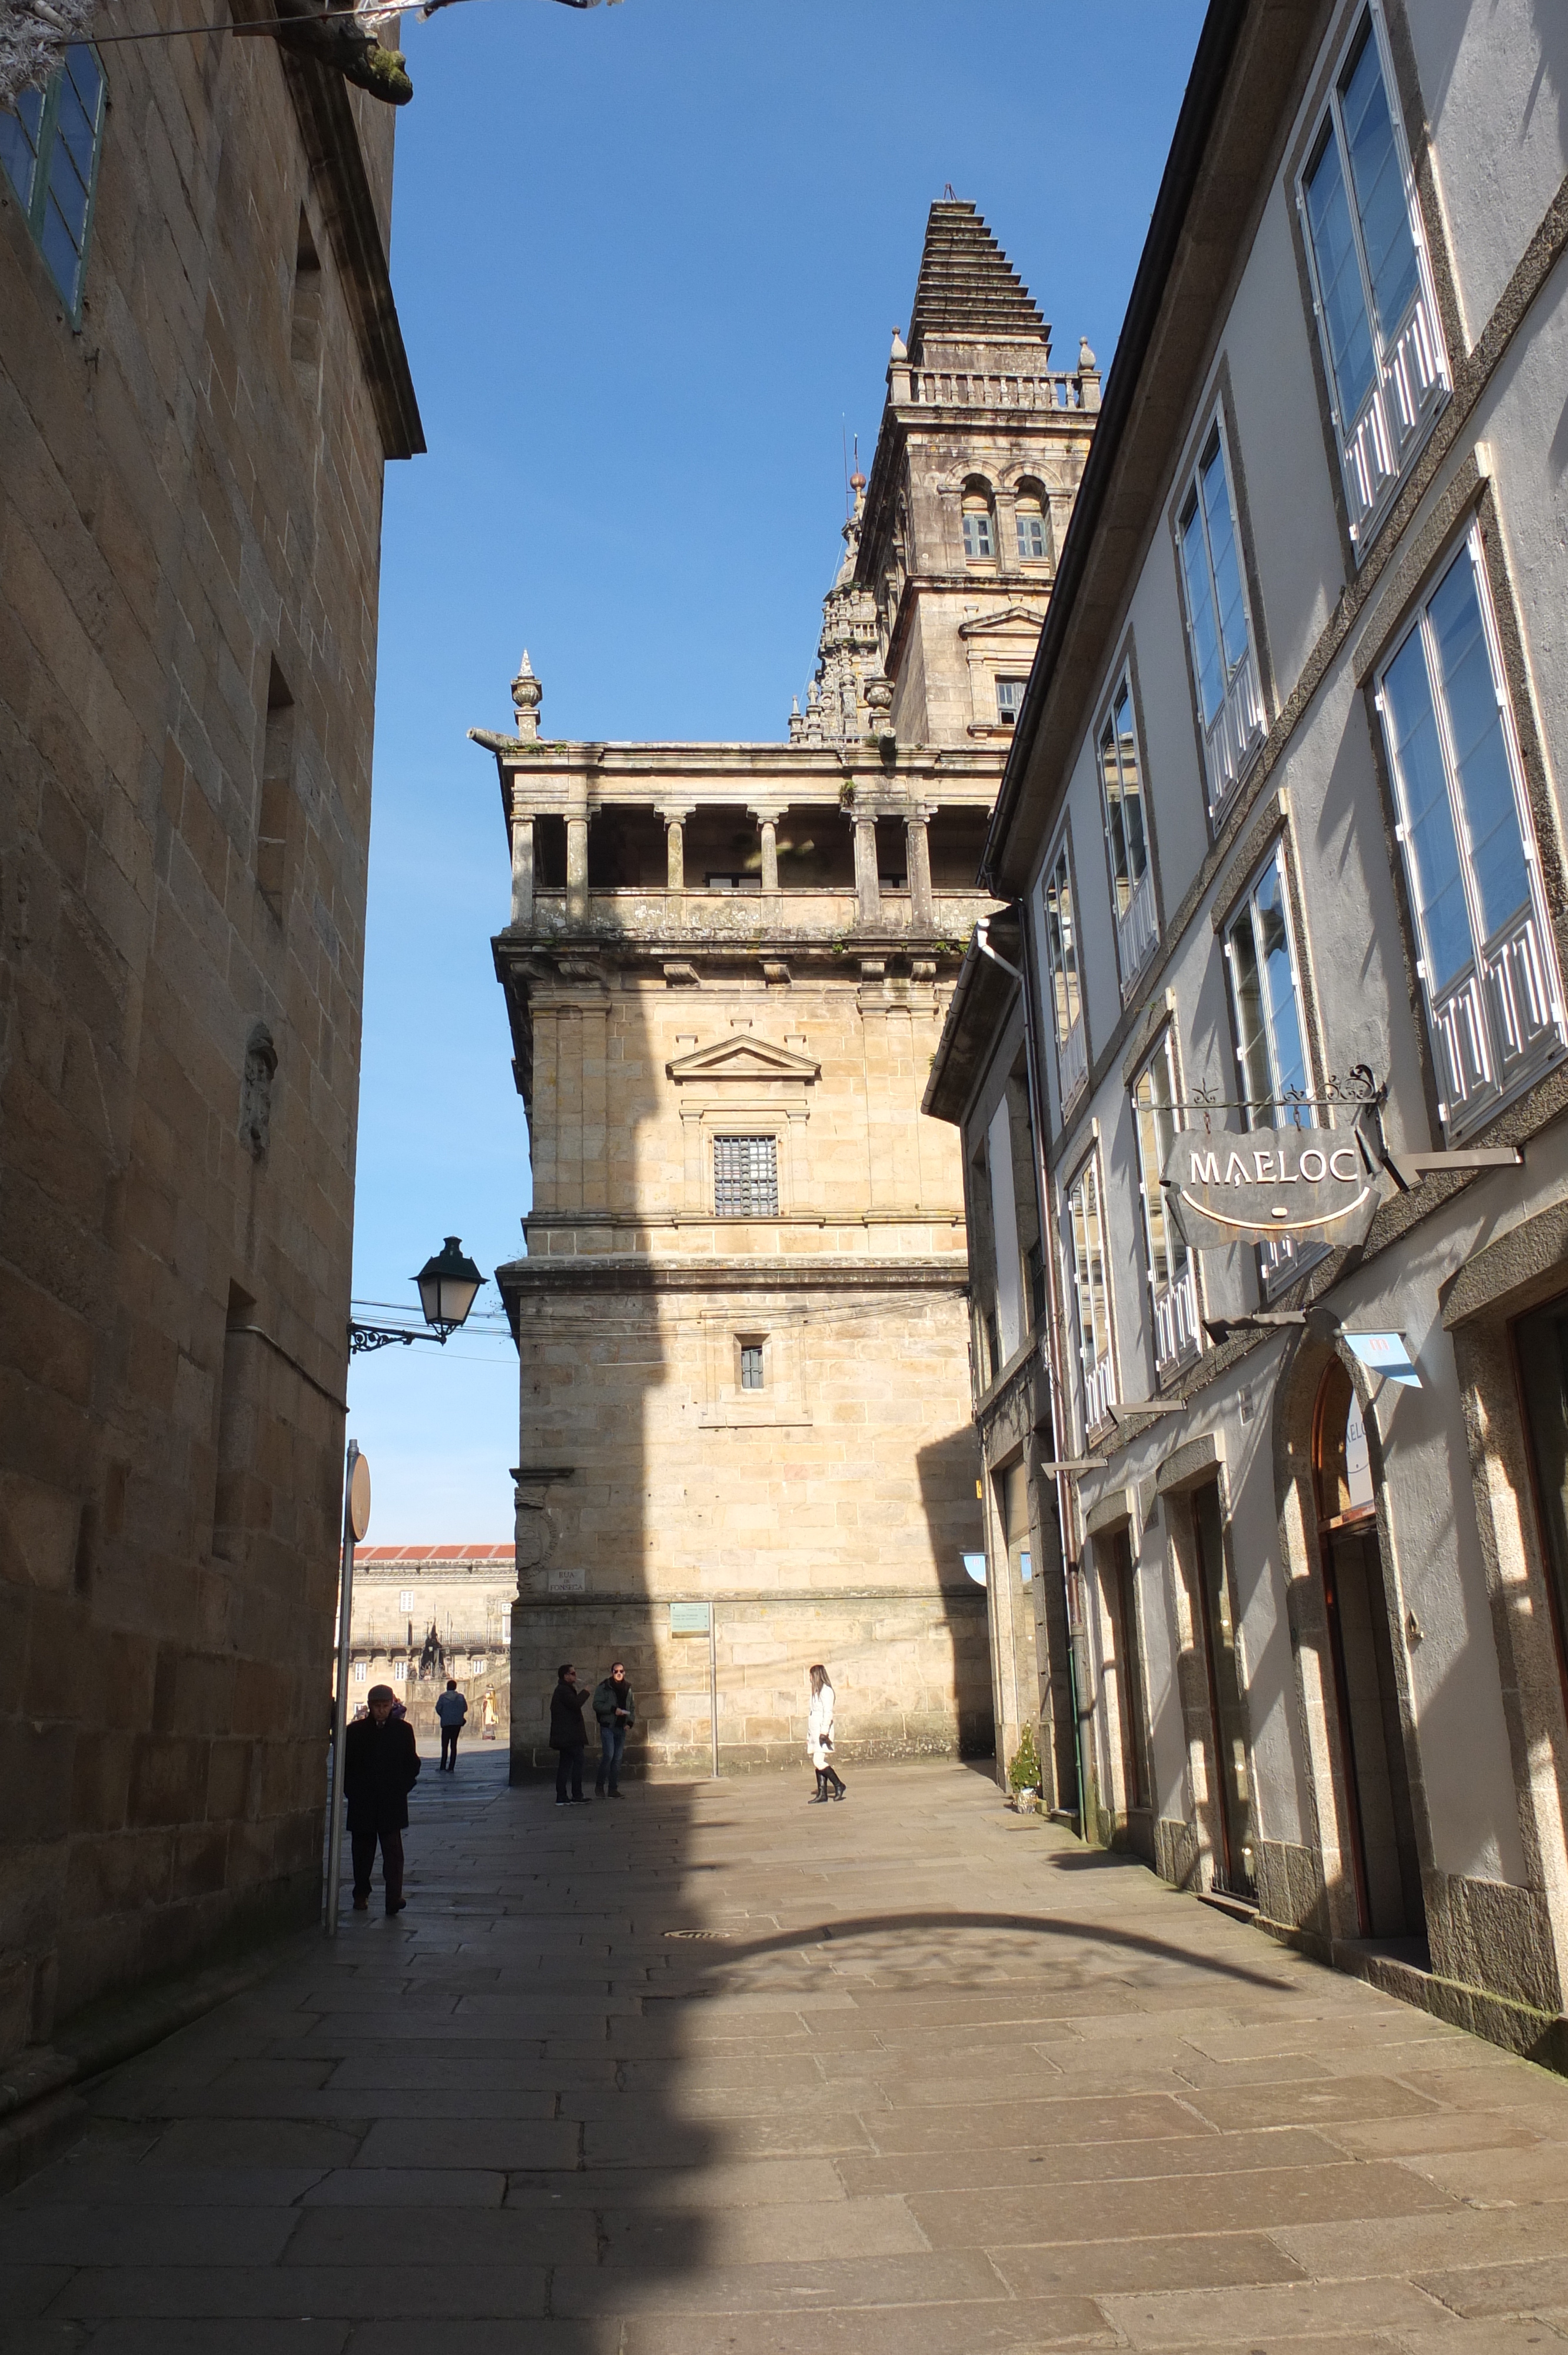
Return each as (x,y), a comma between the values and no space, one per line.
(1382,1821)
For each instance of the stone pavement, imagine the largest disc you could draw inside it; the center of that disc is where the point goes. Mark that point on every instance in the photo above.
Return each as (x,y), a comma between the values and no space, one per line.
(712,2069)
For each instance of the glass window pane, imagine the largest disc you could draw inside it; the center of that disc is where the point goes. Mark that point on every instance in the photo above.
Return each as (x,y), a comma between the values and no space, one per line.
(1061,949)
(1340,282)
(1246,1000)
(60,251)
(1153,1101)
(73,132)
(1272,928)
(1130,789)
(1201,611)
(1225,558)
(1431,848)
(19,142)
(1031,535)
(977,535)
(1089,1268)
(1480,749)
(1380,191)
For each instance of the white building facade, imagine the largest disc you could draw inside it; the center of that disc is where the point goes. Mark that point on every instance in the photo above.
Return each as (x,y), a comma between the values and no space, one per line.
(1283,824)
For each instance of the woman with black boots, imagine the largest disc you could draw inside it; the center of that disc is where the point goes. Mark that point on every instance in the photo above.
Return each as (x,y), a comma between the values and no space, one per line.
(820,1737)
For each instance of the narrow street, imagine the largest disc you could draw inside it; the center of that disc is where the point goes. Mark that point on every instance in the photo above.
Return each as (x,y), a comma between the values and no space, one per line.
(712,2070)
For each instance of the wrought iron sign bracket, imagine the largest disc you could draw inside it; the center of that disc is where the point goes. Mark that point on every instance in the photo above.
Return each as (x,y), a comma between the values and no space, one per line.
(1409,1169)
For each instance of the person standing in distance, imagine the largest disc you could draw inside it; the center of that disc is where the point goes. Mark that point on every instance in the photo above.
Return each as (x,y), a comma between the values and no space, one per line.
(820,1736)
(452,1709)
(568,1738)
(380,1767)
(617,1713)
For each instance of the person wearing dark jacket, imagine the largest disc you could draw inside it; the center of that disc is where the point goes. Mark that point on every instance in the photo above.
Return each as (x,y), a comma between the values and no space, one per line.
(568,1738)
(617,1713)
(380,1767)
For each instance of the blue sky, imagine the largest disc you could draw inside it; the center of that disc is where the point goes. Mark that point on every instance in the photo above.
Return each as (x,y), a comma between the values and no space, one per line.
(648,260)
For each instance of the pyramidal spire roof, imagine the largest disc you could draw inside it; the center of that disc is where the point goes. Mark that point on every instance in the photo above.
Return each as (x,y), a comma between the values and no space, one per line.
(968,291)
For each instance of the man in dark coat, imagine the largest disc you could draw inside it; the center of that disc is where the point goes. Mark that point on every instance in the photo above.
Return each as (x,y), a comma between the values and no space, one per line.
(380,1767)
(568,1739)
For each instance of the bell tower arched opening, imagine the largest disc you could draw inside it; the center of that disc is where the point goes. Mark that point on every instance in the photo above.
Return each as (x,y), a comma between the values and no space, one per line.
(1377,1778)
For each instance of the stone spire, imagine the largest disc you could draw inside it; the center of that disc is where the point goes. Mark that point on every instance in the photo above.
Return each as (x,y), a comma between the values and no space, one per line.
(839,709)
(528,694)
(968,291)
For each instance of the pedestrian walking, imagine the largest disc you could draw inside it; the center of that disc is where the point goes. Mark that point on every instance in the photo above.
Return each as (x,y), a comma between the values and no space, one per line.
(452,1709)
(820,1736)
(617,1713)
(488,1718)
(568,1739)
(380,1767)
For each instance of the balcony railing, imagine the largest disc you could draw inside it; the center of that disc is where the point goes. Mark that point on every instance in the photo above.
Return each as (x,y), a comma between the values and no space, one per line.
(1497,1024)
(1073,1060)
(1381,435)
(1052,389)
(1137,930)
(1176,1333)
(1235,733)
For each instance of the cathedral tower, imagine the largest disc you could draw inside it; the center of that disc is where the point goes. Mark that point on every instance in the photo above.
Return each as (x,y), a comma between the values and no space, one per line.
(746,1418)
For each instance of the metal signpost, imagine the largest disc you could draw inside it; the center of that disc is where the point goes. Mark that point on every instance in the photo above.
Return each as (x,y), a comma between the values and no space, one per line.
(356,1522)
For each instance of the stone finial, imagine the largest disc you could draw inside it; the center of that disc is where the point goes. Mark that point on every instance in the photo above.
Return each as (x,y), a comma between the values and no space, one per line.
(1085,356)
(528,694)
(900,349)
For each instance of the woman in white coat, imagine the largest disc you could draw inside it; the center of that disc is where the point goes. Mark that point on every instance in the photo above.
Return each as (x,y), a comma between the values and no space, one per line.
(820,1736)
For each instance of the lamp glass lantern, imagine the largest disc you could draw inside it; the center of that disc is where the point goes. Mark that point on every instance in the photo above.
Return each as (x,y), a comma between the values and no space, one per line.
(449,1284)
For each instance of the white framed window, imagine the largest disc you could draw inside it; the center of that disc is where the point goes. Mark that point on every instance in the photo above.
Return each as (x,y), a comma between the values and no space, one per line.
(1371,279)
(1225,669)
(477,1666)
(1066,997)
(1126,834)
(1263,976)
(50,141)
(1485,955)
(405,1600)
(1009,699)
(399,1672)
(1033,546)
(977,540)
(361,1671)
(1172,1278)
(752,1375)
(1091,1292)
(746,1177)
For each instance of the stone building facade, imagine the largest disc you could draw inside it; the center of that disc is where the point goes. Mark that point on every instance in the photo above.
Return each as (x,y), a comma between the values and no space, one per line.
(201,377)
(424,1613)
(1283,831)
(741,1321)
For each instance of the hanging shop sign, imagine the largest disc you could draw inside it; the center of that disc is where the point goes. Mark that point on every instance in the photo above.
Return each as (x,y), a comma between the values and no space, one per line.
(1387,1354)
(1243,1185)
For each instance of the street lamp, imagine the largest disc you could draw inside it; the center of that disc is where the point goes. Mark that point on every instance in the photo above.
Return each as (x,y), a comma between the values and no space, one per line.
(448,1283)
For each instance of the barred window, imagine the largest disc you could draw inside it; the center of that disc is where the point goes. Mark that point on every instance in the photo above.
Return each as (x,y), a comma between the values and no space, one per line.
(746,1177)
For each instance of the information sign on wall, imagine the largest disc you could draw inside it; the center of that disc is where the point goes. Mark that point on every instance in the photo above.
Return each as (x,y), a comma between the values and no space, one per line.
(688,1618)
(1237,1186)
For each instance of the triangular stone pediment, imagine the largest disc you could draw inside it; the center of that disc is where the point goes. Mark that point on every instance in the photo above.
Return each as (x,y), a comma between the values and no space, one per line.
(742,1057)
(1007,623)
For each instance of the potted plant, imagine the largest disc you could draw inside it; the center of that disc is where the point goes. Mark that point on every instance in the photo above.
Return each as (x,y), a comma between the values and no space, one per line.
(1023,1774)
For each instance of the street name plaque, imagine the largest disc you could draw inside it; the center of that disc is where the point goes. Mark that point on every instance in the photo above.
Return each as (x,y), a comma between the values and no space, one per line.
(1238,1186)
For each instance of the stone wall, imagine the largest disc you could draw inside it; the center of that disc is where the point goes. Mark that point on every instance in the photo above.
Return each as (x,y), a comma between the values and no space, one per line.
(190,511)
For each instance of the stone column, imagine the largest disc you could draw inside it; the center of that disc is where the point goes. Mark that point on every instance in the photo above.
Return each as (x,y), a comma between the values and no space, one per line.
(868,890)
(769,854)
(576,867)
(674,855)
(523,874)
(917,850)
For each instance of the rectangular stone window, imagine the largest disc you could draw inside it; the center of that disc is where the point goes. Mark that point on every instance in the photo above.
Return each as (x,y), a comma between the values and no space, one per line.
(1065,996)
(1219,628)
(751,1375)
(1377,319)
(1091,1292)
(977,544)
(1487,966)
(399,1672)
(361,1670)
(1157,1114)
(1273,1066)
(49,145)
(1132,877)
(1009,699)
(746,1177)
(405,1600)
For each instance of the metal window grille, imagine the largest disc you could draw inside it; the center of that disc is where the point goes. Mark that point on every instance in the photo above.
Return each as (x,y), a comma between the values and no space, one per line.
(751,1366)
(746,1177)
